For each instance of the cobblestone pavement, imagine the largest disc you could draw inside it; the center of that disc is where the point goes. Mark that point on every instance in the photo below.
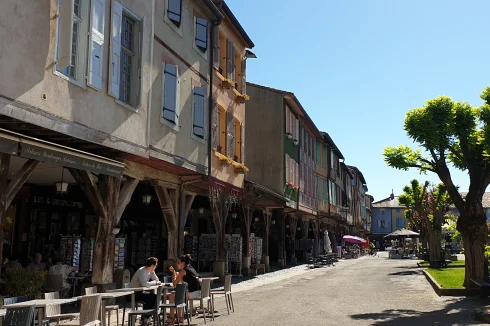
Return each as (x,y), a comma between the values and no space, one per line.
(364,291)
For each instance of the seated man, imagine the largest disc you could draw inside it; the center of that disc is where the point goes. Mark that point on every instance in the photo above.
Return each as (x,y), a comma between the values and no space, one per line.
(37,264)
(144,277)
(64,270)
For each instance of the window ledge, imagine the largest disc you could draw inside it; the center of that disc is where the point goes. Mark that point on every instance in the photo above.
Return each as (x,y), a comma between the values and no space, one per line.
(169,124)
(202,54)
(71,80)
(177,30)
(199,139)
(126,105)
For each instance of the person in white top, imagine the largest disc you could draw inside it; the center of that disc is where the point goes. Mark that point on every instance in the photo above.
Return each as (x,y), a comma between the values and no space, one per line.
(64,270)
(145,277)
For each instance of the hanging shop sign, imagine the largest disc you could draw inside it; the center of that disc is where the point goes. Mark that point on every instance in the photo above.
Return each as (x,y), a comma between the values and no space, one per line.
(80,161)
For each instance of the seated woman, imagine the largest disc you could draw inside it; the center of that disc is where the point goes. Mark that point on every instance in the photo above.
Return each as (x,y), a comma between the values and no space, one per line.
(186,274)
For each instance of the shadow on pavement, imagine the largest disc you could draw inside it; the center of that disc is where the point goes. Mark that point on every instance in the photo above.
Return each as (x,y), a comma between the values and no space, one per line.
(405,273)
(458,312)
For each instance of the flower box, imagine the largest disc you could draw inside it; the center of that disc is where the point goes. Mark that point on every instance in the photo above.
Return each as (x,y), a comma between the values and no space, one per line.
(240,168)
(227,83)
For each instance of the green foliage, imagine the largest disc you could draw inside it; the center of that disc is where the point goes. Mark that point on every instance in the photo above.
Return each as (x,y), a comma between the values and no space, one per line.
(447,132)
(487,252)
(23,282)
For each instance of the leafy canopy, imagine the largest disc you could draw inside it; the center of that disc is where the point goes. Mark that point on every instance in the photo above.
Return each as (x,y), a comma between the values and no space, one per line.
(451,133)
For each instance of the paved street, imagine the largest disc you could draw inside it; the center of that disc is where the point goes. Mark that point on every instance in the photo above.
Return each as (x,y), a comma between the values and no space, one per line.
(366,291)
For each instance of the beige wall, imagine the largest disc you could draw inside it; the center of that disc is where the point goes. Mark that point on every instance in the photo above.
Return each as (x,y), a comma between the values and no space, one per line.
(226,98)
(180,141)
(395,215)
(265,138)
(27,53)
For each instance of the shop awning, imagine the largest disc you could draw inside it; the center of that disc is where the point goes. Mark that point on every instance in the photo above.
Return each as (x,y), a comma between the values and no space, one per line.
(51,153)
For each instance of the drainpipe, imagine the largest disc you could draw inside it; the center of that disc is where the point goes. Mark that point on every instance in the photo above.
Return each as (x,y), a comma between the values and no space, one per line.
(150,92)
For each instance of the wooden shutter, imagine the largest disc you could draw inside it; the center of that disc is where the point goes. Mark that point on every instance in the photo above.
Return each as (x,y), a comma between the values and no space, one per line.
(96,44)
(169,92)
(174,11)
(233,64)
(115,60)
(229,54)
(243,143)
(199,111)
(216,49)
(65,32)
(244,76)
(201,33)
(286,160)
(215,126)
(230,139)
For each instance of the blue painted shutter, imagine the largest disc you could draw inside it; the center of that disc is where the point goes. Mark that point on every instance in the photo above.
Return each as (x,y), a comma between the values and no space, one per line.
(199,111)
(170,91)
(96,44)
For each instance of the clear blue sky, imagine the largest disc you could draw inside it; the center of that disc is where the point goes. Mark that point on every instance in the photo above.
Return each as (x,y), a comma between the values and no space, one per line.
(357,66)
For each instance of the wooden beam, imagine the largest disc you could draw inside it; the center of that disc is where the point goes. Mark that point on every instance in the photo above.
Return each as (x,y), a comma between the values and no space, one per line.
(19,179)
(188,200)
(4,170)
(125,196)
(167,207)
(86,181)
(141,172)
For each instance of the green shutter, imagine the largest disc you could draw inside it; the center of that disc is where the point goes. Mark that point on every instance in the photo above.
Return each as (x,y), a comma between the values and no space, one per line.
(319,187)
(325,190)
(318,156)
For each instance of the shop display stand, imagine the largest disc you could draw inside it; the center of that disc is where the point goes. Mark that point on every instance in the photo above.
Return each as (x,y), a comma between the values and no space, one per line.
(70,249)
(119,253)
(207,252)
(87,255)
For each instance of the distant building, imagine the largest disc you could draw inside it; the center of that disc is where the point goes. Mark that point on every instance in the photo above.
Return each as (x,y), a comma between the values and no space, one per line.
(388,215)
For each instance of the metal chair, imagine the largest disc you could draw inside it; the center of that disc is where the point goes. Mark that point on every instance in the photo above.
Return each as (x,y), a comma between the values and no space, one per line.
(54,283)
(89,311)
(226,292)
(108,309)
(205,296)
(53,312)
(12,300)
(19,316)
(148,312)
(180,302)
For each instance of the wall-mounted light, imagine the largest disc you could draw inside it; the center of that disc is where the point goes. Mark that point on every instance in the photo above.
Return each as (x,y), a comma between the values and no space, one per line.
(116,230)
(256,219)
(299,229)
(273,222)
(234,215)
(146,199)
(287,226)
(201,210)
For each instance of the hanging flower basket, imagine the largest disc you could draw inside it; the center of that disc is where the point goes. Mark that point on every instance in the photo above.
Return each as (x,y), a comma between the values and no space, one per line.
(289,135)
(224,160)
(240,168)
(227,83)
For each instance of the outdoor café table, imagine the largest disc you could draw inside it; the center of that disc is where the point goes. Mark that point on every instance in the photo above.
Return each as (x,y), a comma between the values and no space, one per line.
(133,292)
(112,295)
(41,305)
(75,280)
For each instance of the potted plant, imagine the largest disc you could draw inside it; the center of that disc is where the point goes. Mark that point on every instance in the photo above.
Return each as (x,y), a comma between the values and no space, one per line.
(295,142)
(240,168)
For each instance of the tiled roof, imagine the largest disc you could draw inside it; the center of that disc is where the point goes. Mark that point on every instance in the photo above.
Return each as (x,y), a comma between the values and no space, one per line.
(388,203)
(485,199)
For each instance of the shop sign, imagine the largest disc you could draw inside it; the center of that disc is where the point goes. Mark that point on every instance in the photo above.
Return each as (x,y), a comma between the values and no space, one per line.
(57,202)
(55,157)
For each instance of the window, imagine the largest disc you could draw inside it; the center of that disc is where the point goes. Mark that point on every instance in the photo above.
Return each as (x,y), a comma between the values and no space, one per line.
(222,130)
(332,159)
(324,156)
(399,222)
(71,45)
(222,54)
(201,34)
(199,116)
(398,210)
(238,140)
(382,212)
(286,160)
(382,224)
(170,81)
(124,75)
(174,11)
(286,111)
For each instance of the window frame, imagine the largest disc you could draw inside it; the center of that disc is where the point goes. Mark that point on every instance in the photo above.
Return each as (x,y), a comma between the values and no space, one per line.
(171,124)
(195,136)
(81,67)
(198,49)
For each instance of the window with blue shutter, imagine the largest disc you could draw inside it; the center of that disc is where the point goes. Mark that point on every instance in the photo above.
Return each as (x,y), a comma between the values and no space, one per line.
(199,114)
(319,185)
(170,80)
(318,157)
(202,34)
(325,190)
(174,11)
(324,160)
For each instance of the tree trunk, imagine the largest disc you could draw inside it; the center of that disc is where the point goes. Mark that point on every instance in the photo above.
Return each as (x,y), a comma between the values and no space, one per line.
(473,227)
(434,247)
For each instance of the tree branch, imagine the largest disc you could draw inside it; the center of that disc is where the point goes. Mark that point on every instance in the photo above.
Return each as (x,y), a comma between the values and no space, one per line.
(419,166)
(445,176)
(458,155)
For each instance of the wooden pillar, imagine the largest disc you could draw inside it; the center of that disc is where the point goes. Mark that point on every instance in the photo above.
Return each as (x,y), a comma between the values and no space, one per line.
(304,232)
(265,247)
(220,208)
(186,200)
(316,229)
(293,224)
(247,221)
(109,202)
(281,244)
(8,190)
(169,204)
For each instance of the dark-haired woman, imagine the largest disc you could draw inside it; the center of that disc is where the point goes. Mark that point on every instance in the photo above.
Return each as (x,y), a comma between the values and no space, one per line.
(186,274)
